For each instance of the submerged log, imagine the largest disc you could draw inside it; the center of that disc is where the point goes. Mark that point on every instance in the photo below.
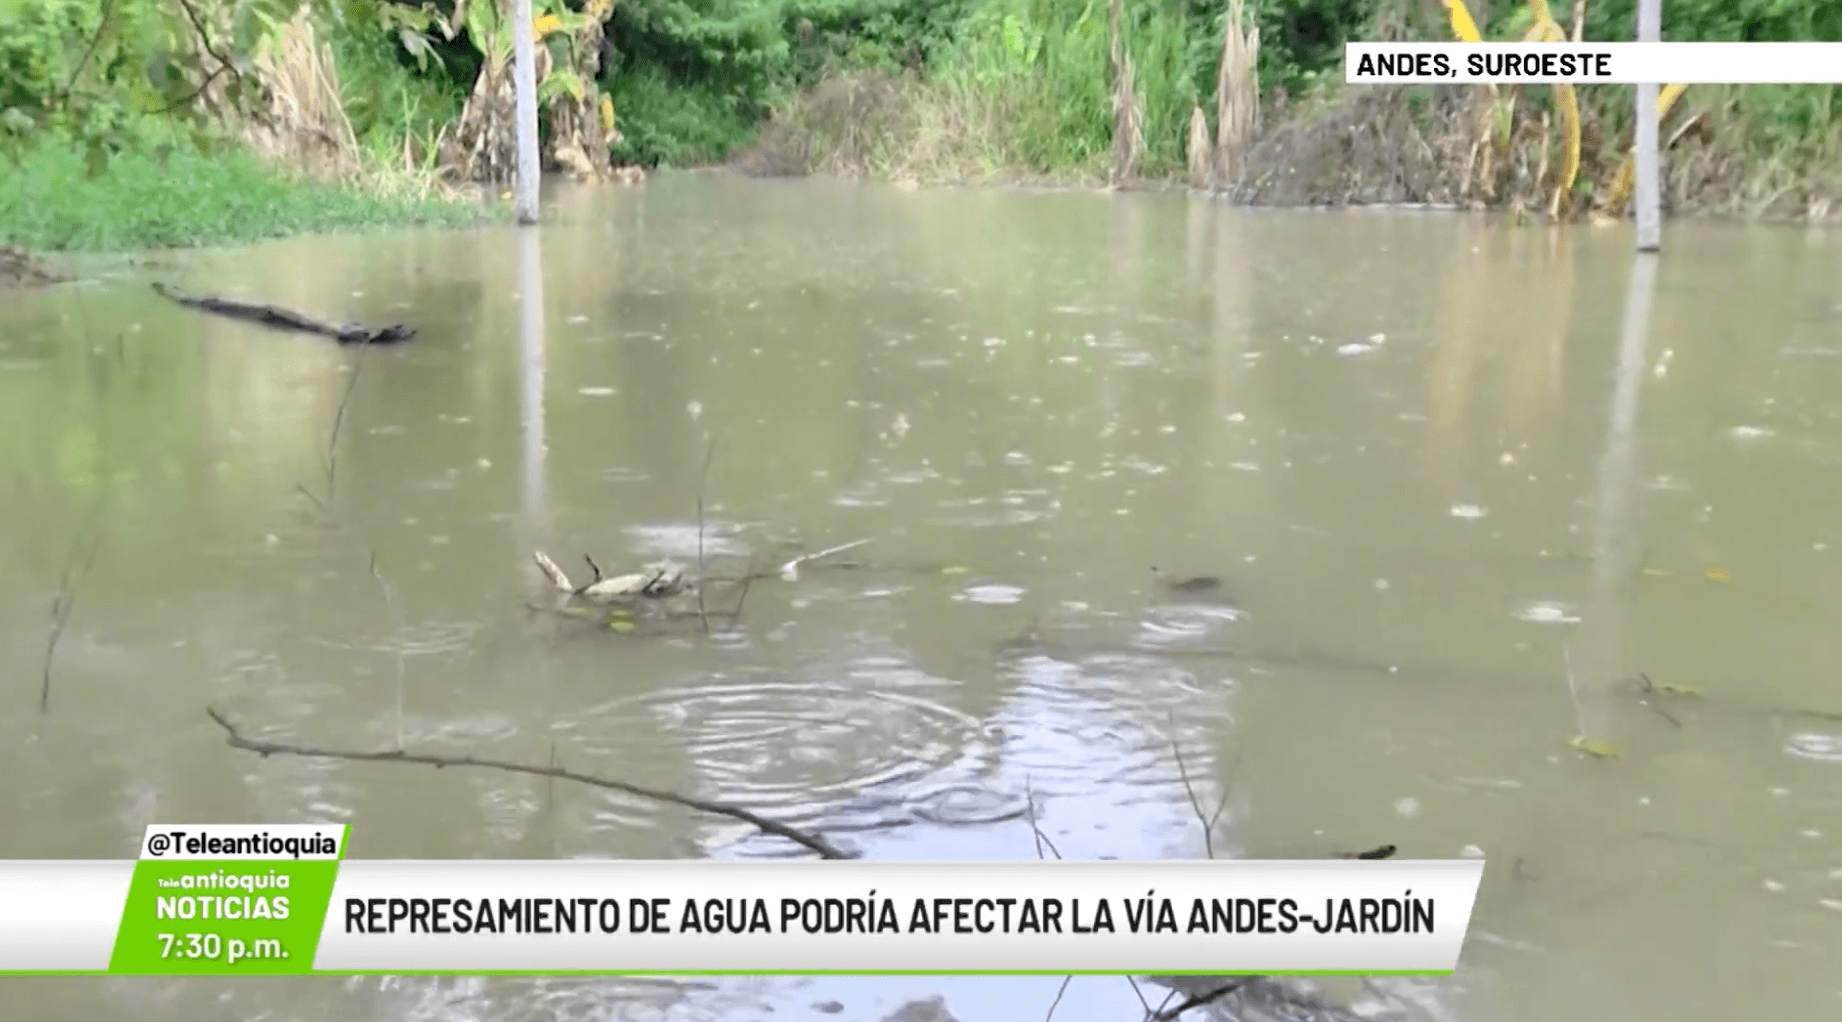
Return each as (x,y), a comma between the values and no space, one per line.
(283,319)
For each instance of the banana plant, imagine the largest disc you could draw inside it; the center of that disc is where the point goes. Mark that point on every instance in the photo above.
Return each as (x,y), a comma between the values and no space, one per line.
(1540,28)
(491,34)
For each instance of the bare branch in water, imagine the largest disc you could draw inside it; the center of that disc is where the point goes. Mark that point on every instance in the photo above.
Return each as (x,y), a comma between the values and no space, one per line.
(75,571)
(1059,991)
(1207,821)
(332,438)
(766,826)
(703,481)
(317,502)
(1197,1001)
(396,639)
(1042,840)
(1140,993)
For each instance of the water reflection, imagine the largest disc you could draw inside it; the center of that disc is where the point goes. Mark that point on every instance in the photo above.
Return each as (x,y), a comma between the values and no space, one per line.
(1616,548)
(532,360)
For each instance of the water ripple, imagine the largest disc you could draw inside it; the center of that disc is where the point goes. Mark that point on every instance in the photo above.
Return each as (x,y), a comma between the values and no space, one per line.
(843,755)
(1175,624)
(1814,745)
(680,540)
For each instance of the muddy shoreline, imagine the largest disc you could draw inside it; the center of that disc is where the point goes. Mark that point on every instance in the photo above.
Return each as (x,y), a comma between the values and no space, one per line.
(18,268)
(1452,149)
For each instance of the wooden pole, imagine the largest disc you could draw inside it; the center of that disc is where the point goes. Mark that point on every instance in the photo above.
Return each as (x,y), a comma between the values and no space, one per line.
(524,101)
(1649,187)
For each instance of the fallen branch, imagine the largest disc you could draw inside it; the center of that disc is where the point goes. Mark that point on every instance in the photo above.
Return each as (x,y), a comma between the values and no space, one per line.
(1198,1000)
(283,319)
(237,741)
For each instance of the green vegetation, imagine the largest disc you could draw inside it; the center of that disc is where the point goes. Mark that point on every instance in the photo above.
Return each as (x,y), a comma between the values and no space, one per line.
(139,123)
(128,124)
(177,196)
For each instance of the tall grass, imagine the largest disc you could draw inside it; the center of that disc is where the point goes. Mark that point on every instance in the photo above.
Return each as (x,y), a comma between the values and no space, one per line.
(1026,86)
(182,196)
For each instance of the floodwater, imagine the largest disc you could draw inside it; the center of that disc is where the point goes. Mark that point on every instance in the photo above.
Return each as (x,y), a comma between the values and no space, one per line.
(1468,488)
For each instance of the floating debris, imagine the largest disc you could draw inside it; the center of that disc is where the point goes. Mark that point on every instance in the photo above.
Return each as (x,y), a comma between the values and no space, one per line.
(284,319)
(1593,747)
(657,580)
(1190,584)
(1548,614)
(790,570)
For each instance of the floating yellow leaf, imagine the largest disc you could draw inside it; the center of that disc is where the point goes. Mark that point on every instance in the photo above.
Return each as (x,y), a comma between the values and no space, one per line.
(1717,575)
(1593,747)
(954,569)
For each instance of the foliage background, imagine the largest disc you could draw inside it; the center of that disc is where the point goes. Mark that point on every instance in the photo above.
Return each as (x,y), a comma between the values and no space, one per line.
(969,88)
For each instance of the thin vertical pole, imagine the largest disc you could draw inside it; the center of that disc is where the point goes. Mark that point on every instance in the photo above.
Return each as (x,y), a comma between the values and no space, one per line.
(1649,187)
(524,101)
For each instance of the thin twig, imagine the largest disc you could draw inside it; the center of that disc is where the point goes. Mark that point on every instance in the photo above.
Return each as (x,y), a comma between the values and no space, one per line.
(766,826)
(108,10)
(1136,989)
(1199,1000)
(317,502)
(1059,991)
(1234,770)
(1208,839)
(62,603)
(204,40)
(1029,797)
(550,782)
(1650,692)
(748,583)
(332,439)
(396,643)
(191,97)
(703,480)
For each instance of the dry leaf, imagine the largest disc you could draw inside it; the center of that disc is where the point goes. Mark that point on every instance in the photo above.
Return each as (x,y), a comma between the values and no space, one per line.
(1593,747)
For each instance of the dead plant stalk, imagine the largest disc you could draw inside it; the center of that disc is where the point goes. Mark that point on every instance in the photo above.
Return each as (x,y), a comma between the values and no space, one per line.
(74,573)
(703,482)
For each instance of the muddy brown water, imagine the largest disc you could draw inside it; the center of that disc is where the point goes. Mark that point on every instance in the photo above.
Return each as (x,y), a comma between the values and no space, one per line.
(1461,483)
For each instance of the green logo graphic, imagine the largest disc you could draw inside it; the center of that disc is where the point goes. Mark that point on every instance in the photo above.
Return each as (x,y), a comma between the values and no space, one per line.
(223,917)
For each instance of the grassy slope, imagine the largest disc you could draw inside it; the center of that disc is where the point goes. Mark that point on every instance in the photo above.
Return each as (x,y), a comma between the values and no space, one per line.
(142,201)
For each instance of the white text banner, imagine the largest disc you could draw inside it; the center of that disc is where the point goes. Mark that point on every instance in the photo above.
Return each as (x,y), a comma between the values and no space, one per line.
(1802,63)
(885,917)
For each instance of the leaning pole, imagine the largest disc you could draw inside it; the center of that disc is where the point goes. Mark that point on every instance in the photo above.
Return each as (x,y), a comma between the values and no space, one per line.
(524,102)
